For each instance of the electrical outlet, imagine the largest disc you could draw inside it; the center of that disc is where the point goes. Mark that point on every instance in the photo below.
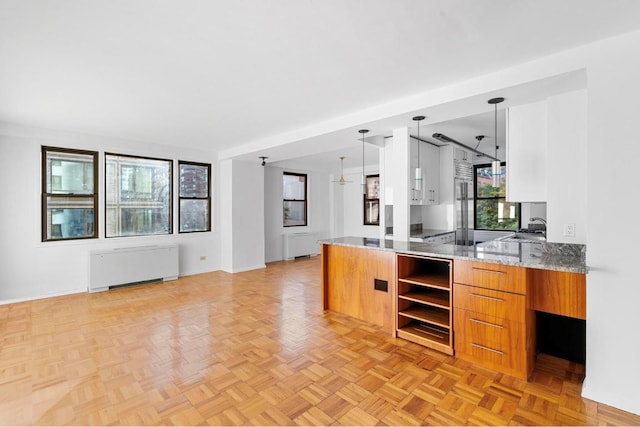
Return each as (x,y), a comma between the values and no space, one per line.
(570,230)
(202,257)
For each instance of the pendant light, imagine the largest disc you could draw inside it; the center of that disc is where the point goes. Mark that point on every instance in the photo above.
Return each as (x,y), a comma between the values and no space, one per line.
(496,168)
(342,181)
(364,178)
(418,171)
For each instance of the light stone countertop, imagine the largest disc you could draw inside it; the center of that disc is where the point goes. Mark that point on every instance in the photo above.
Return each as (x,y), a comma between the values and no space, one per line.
(544,255)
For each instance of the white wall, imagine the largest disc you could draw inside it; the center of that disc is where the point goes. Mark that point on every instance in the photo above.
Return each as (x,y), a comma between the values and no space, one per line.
(567,166)
(352,205)
(613,349)
(242,215)
(33,269)
(318,209)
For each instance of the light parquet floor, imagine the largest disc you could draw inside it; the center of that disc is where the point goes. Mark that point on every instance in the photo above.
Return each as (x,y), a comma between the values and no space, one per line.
(253,349)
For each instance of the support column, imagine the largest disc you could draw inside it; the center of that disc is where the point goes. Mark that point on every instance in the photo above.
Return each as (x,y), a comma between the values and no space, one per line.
(241,216)
(399,175)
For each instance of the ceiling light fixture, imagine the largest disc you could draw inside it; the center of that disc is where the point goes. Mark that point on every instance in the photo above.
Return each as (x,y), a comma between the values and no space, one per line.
(496,168)
(364,178)
(264,158)
(342,181)
(418,176)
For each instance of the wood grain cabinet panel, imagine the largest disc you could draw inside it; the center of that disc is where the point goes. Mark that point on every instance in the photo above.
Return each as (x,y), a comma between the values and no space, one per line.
(489,302)
(493,323)
(348,275)
(559,292)
(492,276)
(493,332)
(511,361)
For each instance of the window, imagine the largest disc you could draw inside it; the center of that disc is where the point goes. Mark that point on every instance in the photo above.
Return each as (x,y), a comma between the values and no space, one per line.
(372,200)
(138,195)
(294,191)
(492,211)
(195,197)
(69,195)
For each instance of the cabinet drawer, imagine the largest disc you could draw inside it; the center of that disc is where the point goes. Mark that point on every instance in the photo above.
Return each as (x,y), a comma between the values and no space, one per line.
(492,276)
(489,331)
(507,360)
(501,305)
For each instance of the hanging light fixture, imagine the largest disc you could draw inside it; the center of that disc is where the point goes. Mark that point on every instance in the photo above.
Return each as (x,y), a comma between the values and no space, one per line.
(418,171)
(364,178)
(496,168)
(342,181)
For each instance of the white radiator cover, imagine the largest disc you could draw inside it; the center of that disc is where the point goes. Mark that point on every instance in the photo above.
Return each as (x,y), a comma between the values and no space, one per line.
(300,244)
(130,265)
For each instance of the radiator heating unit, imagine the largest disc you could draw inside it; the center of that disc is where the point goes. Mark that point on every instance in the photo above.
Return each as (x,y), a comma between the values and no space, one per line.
(300,244)
(123,266)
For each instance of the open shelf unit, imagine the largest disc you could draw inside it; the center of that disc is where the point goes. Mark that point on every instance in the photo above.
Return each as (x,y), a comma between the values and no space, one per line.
(423,305)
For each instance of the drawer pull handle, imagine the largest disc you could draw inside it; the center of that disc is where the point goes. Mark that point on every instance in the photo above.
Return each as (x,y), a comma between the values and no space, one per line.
(482,322)
(486,297)
(486,348)
(484,270)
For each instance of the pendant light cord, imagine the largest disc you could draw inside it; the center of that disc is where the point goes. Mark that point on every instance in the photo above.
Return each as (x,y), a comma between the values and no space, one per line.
(495,128)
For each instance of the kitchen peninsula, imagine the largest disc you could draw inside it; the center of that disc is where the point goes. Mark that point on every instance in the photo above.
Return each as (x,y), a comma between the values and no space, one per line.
(476,302)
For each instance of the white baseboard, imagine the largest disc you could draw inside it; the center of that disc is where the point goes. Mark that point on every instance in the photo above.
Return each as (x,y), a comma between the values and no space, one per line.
(56,294)
(243,269)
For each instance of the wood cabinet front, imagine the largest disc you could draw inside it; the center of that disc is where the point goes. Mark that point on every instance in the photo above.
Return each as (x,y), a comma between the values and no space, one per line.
(499,304)
(493,325)
(348,283)
(491,276)
(559,292)
(493,332)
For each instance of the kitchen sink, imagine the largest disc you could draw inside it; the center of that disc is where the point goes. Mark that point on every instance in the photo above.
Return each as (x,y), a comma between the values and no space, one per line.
(522,237)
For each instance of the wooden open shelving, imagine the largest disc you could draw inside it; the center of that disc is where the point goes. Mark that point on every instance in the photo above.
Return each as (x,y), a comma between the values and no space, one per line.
(423,303)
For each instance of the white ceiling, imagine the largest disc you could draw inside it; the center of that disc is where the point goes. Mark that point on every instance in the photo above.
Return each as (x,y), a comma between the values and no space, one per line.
(216,74)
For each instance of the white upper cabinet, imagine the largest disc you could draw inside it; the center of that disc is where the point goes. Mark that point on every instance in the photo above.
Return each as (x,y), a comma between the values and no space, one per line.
(527,153)
(429,193)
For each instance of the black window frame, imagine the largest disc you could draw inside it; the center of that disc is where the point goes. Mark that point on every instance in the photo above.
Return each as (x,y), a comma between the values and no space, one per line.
(305,200)
(368,200)
(476,198)
(170,196)
(94,196)
(180,197)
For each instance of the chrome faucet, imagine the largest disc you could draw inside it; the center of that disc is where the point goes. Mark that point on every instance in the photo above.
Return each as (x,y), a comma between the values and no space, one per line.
(543,221)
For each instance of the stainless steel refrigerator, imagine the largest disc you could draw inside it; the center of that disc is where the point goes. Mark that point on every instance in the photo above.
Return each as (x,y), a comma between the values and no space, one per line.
(464,206)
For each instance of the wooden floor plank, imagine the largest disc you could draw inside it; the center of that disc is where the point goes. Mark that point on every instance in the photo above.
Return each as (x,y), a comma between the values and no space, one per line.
(253,348)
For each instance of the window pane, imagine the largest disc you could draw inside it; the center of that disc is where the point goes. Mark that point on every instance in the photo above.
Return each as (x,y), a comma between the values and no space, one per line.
(136,182)
(69,217)
(484,182)
(69,173)
(371,212)
(138,196)
(294,187)
(373,187)
(194,181)
(194,215)
(137,221)
(497,214)
(294,213)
